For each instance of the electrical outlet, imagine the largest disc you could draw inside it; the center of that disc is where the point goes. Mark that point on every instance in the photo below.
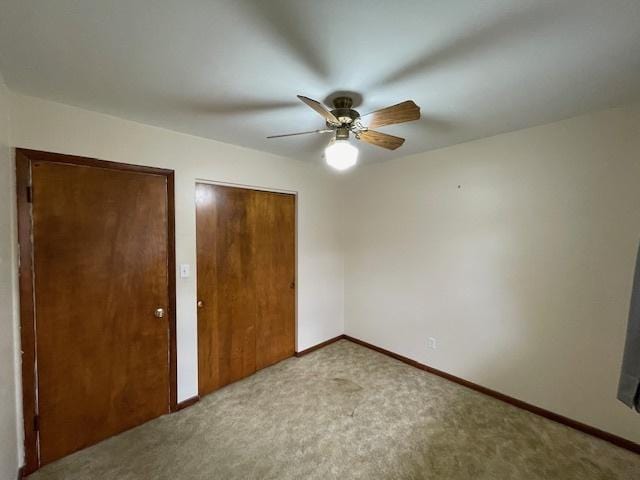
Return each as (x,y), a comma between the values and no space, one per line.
(431,343)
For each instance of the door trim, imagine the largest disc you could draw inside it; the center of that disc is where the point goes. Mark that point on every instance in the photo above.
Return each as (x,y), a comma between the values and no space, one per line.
(24,159)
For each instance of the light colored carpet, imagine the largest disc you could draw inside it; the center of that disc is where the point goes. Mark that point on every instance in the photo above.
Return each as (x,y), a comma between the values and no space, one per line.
(346,412)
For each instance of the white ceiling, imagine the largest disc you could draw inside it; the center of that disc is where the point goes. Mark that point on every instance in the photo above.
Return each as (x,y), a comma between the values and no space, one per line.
(230,70)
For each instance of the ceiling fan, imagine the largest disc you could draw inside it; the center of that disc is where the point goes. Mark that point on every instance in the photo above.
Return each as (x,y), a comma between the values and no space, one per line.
(343,120)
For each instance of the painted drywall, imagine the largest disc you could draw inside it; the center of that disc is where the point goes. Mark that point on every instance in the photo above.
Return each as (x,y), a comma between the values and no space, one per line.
(44,125)
(515,253)
(10,456)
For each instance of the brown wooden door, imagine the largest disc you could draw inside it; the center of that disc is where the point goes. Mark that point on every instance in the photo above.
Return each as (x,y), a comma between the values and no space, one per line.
(101,270)
(274,259)
(246,282)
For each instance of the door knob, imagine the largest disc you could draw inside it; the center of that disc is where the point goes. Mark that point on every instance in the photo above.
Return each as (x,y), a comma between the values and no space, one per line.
(200,304)
(159,313)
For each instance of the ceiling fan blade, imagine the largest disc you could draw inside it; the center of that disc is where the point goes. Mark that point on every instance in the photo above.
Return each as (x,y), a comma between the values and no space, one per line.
(326,130)
(400,113)
(321,109)
(380,139)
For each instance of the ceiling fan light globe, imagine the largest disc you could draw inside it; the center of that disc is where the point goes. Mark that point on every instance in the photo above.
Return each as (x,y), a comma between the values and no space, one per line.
(341,155)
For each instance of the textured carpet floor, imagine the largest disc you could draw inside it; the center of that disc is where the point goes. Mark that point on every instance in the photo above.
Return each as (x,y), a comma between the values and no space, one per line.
(346,412)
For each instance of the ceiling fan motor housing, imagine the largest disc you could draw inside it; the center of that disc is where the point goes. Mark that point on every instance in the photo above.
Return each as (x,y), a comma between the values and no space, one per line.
(343,111)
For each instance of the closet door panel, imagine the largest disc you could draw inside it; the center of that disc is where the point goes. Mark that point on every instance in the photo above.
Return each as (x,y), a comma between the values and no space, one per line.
(274,259)
(226,286)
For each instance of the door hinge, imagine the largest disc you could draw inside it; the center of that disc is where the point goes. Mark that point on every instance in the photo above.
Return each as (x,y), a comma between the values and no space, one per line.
(36,423)
(29,194)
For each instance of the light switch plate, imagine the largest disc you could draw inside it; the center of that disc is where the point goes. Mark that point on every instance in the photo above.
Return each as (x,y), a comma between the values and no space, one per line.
(184,270)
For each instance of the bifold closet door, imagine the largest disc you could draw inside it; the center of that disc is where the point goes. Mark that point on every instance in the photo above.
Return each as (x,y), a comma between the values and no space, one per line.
(100,239)
(246,282)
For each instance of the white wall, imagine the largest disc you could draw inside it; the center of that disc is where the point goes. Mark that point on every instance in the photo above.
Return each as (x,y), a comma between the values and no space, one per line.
(44,125)
(10,453)
(515,252)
